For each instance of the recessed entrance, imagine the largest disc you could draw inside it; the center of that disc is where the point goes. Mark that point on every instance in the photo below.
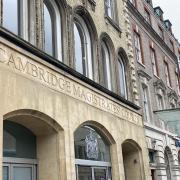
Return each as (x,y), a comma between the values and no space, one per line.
(19,151)
(132,160)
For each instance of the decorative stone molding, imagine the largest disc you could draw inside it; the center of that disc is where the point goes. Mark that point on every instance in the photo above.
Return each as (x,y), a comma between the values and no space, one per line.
(143,74)
(130,53)
(159,84)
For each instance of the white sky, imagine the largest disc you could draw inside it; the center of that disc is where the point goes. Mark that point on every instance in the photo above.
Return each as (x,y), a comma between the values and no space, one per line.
(171,9)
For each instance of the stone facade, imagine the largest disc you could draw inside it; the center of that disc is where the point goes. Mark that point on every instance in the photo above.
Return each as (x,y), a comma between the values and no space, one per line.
(52,100)
(160,138)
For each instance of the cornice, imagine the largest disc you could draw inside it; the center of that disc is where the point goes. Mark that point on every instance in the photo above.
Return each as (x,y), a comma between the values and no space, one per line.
(149,28)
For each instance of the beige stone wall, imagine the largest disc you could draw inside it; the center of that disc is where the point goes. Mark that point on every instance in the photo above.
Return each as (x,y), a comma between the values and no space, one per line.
(53,105)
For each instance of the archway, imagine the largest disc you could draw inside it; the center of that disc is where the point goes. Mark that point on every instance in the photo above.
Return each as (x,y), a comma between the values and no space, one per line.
(92,154)
(132,160)
(168,159)
(31,142)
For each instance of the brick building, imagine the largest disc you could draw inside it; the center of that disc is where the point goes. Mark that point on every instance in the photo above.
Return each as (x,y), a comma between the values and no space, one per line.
(68,92)
(156,53)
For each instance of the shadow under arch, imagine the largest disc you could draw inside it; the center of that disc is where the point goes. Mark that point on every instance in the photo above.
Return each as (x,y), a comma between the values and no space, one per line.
(121,52)
(49,138)
(132,160)
(38,122)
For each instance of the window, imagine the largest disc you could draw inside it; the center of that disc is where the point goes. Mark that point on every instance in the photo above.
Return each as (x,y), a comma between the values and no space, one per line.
(92,153)
(138,50)
(110,8)
(133,2)
(147,16)
(52,30)
(171,45)
(19,157)
(82,48)
(122,77)
(152,156)
(161,33)
(146,103)
(177,84)
(15,17)
(154,61)
(167,75)
(106,66)
(160,102)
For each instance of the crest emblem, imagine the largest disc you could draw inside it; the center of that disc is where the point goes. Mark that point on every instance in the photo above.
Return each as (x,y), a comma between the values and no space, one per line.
(91,146)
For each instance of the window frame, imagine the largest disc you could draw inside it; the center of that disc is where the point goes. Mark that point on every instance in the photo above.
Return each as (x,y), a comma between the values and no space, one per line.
(154,61)
(167,74)
(106,63)
(56,20)
(88,48)
(138,48)
(109,5)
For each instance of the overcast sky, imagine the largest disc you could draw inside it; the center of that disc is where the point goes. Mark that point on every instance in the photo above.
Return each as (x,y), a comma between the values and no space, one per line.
(171,9)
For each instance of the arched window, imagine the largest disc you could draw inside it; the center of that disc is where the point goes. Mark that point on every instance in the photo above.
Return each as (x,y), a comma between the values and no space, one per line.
(82,48)
(15,17)
(52,30)
(19,152)
(105,53)
(122,77)
(92,153)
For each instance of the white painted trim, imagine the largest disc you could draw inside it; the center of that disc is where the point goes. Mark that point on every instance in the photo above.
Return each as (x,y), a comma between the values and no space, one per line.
(19,160)
(92,163)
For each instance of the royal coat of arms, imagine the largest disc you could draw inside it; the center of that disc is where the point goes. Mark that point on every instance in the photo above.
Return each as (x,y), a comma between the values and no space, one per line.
(91,146)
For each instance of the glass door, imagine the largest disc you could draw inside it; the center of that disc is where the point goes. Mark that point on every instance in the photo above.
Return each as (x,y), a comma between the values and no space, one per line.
(19,172)
(100,173)
(92,173)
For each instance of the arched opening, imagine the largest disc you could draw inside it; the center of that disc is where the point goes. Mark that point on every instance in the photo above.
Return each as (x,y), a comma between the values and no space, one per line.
(168,159)
(132,160)
(122,76)
(106,62)
(82,48)
(92,154)
(52,29)
(31,146)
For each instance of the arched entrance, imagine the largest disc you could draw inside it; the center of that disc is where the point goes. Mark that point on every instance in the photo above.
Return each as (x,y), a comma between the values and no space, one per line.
(31,146)
(132,160)
(168,159)
(19,152)
(92,153)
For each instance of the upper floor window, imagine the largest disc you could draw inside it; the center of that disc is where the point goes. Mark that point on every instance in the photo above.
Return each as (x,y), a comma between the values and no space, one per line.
(138,50)
(15,17)
(171,45)
(167,74)
(160,102)
(106,65)
(122,77)
(147,16)
(154,61)
(133,2)
(177,84)
(82,48)
(52,30)
(146,102)
(161,33)
(110,8)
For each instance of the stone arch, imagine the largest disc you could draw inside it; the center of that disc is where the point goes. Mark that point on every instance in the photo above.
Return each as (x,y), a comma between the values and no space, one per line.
(107,136)
(132,159)
(82,12)
(49,138)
